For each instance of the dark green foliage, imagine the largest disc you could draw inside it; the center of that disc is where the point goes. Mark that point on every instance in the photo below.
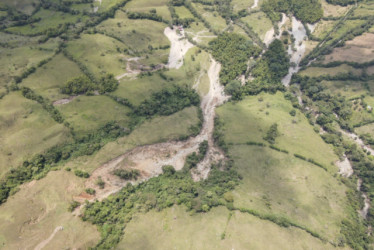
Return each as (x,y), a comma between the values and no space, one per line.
(112,214)
(53,112)
(168,101)
(78,85)
(272,134)
(232,51)
(308,11)
(256,143)
(355,234)
(293,112)
(342,2)
(83,85)
(108,83)
(278,149)
(81,173)
(73,206)
(233,88)
(125,174)
(277,60)
(193,159)
(142,15)
(100,182)
(90,191)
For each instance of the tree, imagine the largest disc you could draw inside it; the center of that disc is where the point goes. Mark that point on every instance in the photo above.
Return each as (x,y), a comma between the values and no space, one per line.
(272,134)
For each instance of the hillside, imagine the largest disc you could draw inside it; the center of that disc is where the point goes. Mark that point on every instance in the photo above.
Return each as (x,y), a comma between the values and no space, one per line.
(186,124)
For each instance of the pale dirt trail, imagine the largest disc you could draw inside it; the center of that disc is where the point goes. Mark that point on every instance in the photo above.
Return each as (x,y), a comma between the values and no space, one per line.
(345,167)
(179,47)
(255,4)
(130,72)
(270,34)
(42,244)
(149,159)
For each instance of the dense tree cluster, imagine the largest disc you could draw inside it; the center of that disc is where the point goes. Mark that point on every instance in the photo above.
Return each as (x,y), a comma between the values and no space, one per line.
(168,101)
(83,85)
(112,214)
(308,11)
(125,174)
(232,51)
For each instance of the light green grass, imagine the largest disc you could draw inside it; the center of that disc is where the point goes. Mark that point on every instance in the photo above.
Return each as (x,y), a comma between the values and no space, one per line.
(323,28)
(25,130)
(259,23)
(248,121)
(281,184)
(88,113)
(239,5)
(48,80)
(174,228)
(31,215)
(49,19)
(319,71)
(15,61)
(106,4)
(348,25)
(213,18)
(183,12)
(365,9)
(349,89)
(141,88)
(156,130)
(145,6)
(99,53)
(137,34)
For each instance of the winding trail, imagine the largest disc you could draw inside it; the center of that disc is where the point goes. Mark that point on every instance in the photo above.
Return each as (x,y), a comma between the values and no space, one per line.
(42,244)
(149,159)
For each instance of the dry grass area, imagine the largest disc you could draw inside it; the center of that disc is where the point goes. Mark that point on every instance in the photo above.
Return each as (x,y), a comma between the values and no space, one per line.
(360,49)
(30,217)
(333,10)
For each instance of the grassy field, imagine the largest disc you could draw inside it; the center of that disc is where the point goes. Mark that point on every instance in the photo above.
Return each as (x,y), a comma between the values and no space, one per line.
(323,28)
(158,129)
(333,10)
(320,71)
(360,50)
(99,53)
(249,120)
(88,113)
(139,89)
(365,9)
(49,19)
(137,34)
(46,202)
(174,228)
(213,18)
(25,130)
(145,6)
(259,23)
(183,12)
(239,5)
(48,80)
(279,183)
(15,61)
(349,89)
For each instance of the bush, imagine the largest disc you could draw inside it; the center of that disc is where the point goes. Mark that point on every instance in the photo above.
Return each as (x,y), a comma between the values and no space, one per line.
(125,174)
(90,191)
(81,173)
(272,134)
